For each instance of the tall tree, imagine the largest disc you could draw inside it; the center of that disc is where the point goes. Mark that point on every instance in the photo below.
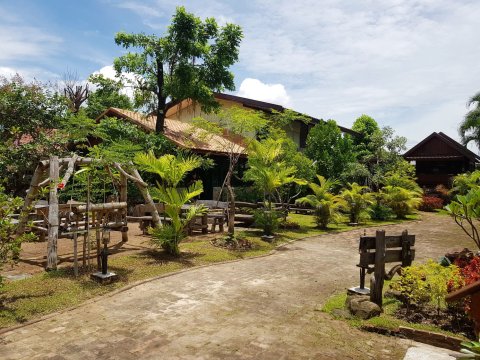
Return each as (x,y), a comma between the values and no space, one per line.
(191,61)
(470,127)
(329,149)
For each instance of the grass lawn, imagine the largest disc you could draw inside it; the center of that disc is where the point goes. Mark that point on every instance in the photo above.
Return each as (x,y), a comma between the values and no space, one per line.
(44,293)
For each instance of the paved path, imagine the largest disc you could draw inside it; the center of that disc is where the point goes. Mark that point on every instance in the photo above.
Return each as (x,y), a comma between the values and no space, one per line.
(263,308)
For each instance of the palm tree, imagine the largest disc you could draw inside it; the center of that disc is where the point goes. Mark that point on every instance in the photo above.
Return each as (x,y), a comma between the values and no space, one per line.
(402,201)
(327,205)
(358,198)
(470,127)
(172,170)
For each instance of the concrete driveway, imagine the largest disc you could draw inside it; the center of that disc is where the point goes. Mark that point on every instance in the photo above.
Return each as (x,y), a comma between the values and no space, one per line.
(262,308)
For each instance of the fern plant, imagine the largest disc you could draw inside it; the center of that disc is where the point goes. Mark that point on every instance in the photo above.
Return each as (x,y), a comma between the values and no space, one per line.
(357,198)
(327,205)
(402,201)
(172,170)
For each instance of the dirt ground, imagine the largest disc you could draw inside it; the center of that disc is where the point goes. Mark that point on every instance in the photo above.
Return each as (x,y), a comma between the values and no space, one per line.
(260,308)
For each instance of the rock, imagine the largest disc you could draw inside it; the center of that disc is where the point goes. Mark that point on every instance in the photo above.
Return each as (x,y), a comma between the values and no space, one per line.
(342,313)
(362,307)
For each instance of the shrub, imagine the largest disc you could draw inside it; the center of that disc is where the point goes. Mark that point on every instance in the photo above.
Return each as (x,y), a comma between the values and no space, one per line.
(431,203)
(381,212)
(268,220)
(428,283)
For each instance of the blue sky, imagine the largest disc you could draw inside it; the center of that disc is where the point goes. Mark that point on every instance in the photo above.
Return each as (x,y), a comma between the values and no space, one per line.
(410,64)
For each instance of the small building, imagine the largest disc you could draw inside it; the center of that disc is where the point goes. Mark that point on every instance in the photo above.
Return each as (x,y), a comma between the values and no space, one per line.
(438,158)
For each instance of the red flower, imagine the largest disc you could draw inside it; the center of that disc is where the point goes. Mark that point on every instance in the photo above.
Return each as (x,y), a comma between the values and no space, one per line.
(60,186)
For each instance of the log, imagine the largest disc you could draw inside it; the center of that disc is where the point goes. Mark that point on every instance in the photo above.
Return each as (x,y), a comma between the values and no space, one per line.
(135,179)
(69,172)
(376,292)
(62,161)
(53,215)
(31,194)
(103,206)
(147,197)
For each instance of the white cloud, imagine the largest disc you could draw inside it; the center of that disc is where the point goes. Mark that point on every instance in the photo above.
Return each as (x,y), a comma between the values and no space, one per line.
(110,73)
(257,90)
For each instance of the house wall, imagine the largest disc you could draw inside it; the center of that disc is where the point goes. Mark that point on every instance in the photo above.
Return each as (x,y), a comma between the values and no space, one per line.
(187,110)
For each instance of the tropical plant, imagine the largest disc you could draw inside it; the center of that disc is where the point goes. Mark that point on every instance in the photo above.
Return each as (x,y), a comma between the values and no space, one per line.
(465,210)
(191,61)
(431,203)
(357,198)
(471,349)
(470,127)
(401,201)
(172,170)
(238,123)
(267,219)
(10,244)
(463,183)
(327,205)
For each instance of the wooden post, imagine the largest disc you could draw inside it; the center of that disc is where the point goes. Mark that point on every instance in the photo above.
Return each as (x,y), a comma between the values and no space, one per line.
(97,237)
(123,198)
(406,251)
(53,220)
(75,254)
(376,290)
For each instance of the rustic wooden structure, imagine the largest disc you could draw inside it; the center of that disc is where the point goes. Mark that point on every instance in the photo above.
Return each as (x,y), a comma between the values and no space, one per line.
(66,219)
(376,251)
(472,290)
(438,158)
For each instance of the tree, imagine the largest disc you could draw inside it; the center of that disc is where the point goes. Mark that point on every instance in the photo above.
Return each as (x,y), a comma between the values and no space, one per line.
(241,125)
(329,149)
(358,198)
(190,61)
(326,204)
(75,92)
(470,127)
(107,94)
(172,170)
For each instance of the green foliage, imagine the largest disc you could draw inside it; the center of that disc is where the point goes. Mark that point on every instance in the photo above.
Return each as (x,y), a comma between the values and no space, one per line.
(327,205)
(402,201)
(10,244)
(366,126)
(329,149)
(357,198)
(465,210)
(379,211)
(463,183)
(427,283)
(267,219)
(190,61)
(471,348)
(107,94)
(172,170)
(470,127)
(32,118)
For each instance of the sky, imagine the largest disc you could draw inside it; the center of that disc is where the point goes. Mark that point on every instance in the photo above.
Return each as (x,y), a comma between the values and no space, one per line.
(409,64)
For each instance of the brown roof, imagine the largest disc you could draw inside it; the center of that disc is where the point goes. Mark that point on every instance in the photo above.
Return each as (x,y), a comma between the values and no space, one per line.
(268,107)
(450,149)
(181,133)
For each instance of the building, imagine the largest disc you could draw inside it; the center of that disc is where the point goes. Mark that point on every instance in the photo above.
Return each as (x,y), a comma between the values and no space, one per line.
(438,158)
(179,131)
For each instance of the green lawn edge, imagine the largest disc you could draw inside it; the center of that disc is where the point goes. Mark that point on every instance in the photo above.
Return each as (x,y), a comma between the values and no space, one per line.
(45,293)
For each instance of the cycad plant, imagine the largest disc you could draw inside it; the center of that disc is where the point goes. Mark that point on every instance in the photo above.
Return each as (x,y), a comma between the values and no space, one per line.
(357,200)
(172,170)
(326,204)
(402,201)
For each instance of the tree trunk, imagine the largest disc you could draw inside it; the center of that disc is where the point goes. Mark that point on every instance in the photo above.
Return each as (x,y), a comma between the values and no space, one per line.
(231,208)
(53,220)
(161,100)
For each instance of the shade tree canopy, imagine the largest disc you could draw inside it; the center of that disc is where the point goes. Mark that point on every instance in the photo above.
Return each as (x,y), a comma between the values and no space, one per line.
(191,60)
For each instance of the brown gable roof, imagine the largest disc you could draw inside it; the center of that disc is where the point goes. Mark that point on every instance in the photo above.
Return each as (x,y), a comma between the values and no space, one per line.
(268,107)
(458,149)
(181,133)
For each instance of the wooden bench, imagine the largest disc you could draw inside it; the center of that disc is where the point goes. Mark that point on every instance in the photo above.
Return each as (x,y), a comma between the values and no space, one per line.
(379,250)
(217,213)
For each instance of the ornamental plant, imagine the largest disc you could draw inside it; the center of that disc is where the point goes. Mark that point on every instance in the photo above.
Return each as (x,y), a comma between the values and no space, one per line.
(426,284)
(430,203)
(357,201)
(402,201)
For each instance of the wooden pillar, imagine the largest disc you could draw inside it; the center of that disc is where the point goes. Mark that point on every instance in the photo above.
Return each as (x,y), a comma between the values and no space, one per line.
(406,251)
(376,290)
(53,220)
(123,198)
